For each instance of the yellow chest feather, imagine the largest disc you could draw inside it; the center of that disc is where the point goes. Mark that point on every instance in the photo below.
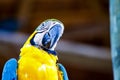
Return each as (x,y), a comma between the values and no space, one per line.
(36,64)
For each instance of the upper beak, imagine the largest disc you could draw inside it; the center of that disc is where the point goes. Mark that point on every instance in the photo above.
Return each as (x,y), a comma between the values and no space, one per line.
(50,38)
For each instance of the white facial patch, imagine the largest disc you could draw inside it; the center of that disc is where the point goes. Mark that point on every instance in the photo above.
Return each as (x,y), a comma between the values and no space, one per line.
(38,38)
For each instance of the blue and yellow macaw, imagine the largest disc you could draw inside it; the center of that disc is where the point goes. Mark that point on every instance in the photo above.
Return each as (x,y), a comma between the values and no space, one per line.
(38,60)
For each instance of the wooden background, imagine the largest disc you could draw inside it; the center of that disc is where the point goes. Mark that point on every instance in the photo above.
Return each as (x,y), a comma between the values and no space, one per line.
(86,27)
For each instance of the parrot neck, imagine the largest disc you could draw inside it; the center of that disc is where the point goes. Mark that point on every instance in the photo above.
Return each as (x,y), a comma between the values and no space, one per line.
(49,51)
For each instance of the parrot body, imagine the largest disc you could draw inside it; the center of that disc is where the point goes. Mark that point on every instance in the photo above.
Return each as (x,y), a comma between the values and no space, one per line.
(37,64)
(38,60)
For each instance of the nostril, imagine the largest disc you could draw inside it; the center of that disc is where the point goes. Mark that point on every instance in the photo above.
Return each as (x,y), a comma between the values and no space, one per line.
(48,34)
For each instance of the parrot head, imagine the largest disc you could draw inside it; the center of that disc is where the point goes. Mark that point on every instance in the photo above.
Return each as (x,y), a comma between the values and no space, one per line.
(47,35)
(39,49)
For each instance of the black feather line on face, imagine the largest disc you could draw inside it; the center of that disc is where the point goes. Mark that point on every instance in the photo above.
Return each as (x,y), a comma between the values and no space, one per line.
(49,51)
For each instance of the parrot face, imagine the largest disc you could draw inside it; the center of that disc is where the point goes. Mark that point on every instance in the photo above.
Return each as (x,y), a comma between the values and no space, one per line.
(47,34)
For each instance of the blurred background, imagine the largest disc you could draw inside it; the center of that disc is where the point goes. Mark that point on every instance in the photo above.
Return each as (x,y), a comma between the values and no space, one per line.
(84,49)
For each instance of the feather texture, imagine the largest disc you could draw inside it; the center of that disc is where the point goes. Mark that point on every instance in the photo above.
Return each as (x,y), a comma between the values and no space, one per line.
(9,71)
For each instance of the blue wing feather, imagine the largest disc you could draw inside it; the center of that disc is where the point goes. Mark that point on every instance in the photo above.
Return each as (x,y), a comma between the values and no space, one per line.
(9,70)
(61,68)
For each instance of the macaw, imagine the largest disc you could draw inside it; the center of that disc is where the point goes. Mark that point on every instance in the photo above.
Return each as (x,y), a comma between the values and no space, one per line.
(38,60)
